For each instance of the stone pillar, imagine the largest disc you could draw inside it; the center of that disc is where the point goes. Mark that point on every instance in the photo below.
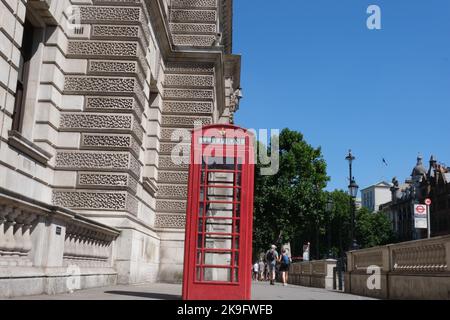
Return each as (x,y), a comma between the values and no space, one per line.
(330,265)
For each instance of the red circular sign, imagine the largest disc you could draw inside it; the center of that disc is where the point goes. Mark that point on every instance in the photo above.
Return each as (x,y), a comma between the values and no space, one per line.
(428,202)
(420,209)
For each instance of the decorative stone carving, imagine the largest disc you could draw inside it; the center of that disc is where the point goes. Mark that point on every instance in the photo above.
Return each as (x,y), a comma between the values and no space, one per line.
(102,48)
(113,200)
(420,258)
(113,141)
(114,14)
(173,177)
(135,166)
(113,104)
(172,191)
(88,160)
(174,121)
(99,84)
(194,40)
(138,131)
(193,28)
(96,121)
(90,179)
(170,221)
(197,68)
(168,148)
(166,134)
(179,80)
(193,15)
(194,94)
(194,3)
(115,31)
(188,107)
(165,162)
(112,66)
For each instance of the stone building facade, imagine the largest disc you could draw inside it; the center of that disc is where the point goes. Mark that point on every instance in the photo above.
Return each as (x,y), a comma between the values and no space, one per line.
(432,183)
(92,93)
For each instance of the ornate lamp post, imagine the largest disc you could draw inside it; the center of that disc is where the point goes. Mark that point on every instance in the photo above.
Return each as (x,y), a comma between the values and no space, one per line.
(329,209)
(353,191)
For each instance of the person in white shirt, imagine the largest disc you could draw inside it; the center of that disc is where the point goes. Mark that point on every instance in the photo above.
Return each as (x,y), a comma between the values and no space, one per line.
(262,267)
(255,271)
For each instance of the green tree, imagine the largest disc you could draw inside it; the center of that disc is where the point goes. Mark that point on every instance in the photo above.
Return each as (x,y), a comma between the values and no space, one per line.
(340,221)
(289,205)
(373,229)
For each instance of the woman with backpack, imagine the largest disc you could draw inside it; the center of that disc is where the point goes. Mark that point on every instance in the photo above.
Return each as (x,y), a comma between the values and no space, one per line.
(285,262)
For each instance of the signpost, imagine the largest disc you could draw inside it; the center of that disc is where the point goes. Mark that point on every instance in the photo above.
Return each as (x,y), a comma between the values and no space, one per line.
(428,204)
(422,216)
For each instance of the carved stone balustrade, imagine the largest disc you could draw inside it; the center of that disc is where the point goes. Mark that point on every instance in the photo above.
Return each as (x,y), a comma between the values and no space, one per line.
(410,270)
(86,247)
(15,236)
(41,241)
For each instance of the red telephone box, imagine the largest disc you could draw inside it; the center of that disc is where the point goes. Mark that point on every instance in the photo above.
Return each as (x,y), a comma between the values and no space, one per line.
(219,219)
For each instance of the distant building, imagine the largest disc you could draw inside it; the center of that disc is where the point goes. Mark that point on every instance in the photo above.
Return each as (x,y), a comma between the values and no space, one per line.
(374,196)
(358,203)
(434,184)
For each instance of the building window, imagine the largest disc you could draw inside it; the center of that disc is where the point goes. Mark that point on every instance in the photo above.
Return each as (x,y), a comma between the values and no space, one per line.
(21,133)
(26,53)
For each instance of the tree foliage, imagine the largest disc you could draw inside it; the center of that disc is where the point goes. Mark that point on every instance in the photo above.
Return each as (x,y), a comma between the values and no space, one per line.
(289,202)
(373,229)
(290,206)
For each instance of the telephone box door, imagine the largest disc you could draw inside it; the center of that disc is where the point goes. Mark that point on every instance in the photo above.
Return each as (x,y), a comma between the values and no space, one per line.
(218,246)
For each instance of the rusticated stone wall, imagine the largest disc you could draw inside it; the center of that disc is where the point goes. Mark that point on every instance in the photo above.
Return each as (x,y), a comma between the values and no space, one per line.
(109,122)
(194,23)
(188,97)
(106,119)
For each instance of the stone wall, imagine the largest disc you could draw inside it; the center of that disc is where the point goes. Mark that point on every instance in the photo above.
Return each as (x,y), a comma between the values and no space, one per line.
(109,83)
(317,274)
(409,270)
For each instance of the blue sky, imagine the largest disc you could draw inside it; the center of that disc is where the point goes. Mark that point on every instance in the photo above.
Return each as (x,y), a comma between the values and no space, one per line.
(313,66)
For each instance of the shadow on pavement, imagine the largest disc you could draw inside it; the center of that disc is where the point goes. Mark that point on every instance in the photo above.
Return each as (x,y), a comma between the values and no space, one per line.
(148,295)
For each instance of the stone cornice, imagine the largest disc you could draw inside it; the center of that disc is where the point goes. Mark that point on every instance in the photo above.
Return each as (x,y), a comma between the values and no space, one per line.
(233,69)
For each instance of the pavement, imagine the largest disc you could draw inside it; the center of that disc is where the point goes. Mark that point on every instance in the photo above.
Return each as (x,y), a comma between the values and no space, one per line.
(163,291)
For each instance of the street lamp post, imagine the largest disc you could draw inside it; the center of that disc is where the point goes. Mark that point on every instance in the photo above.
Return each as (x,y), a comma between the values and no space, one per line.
(329,209)
(353,191)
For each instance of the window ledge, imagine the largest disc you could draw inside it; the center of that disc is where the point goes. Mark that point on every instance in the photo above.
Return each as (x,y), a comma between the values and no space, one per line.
(150,186)
(17,141)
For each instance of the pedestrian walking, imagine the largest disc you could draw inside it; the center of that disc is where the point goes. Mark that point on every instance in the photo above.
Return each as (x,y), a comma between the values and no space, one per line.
(271,259)
(262,267)
(285,262)
(255,271)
